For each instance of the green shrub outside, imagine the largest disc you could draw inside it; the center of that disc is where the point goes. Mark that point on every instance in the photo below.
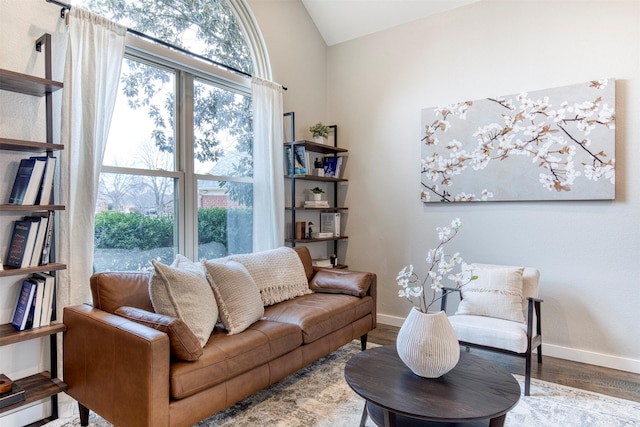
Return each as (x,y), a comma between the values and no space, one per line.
(118,230)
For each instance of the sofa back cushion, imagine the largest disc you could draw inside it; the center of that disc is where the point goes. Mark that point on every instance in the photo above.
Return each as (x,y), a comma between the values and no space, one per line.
(305,257)
(112,290)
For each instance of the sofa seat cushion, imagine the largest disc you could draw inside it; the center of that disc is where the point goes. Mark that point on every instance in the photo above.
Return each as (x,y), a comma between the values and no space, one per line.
(320,314)
(226,356)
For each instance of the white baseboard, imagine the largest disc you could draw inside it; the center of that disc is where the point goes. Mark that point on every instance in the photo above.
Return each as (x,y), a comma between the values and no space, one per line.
(390,320)
(598,359)
(575,355)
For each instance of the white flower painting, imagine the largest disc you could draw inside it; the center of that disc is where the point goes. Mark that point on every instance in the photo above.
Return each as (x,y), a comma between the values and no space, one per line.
(554,144)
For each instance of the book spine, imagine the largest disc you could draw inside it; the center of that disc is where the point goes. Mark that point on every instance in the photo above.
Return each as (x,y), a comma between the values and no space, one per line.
(45,191)
(47,299)
(21,181)
(288,160)
(46,245)
(300,161)
(23,305)
(18,245)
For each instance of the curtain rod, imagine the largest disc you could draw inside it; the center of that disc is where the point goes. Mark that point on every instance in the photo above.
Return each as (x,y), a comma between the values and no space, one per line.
(66,7)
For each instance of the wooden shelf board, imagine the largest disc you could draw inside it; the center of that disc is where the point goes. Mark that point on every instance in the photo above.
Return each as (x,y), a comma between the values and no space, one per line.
(10,335)
(37,387)
(30,146)
(316,178)
(31,208)
(318,148)
(9,271)
(302,208)
(337,267)
(316,240)
(27,84)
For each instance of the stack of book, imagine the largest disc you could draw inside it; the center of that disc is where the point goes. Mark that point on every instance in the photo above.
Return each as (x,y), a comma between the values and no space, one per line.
(34,306)
(316,204)
(30,241)
(33,182)
(322,262)
(321,235)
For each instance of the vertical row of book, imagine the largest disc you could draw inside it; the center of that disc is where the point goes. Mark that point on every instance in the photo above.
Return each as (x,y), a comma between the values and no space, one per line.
(298,162)
(35,302)
(30,241)
(33,183)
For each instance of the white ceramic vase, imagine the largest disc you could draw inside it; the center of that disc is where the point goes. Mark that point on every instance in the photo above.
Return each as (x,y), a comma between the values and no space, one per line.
(427,344)
(319,139)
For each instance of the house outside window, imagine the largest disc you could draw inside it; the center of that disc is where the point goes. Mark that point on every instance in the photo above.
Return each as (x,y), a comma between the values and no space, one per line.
(177,170)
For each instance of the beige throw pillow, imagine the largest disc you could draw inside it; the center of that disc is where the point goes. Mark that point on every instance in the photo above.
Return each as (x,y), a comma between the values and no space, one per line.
(181,290)
(238,296)
(496,293)
(278,273)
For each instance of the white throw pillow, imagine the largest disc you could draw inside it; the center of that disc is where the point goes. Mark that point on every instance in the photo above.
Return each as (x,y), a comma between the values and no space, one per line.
(238,297)
(278,273)
(181,290)
(497,292)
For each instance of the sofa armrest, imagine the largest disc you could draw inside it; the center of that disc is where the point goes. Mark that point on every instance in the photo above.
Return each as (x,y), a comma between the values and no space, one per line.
(116,367)
(348,282)
(340,281)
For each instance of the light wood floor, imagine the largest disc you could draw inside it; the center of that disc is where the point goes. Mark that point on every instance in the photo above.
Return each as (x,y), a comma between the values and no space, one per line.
(611,382)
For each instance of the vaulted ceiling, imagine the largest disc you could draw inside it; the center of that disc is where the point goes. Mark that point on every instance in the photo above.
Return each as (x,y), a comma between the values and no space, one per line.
(343,20)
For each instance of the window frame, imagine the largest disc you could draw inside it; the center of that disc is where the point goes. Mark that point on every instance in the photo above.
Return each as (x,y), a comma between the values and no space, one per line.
(187,69)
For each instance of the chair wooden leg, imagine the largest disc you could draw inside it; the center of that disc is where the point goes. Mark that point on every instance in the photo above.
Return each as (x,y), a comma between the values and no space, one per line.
(363,342)
(527,373)
(540,353)
(84,414)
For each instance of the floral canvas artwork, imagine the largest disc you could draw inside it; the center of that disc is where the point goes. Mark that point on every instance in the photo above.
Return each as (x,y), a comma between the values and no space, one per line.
(554,144)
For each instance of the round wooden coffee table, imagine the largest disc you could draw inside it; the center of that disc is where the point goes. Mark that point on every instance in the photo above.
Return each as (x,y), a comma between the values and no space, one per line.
(475,393)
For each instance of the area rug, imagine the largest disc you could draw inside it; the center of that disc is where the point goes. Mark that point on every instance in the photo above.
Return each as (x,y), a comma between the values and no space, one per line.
(319,396)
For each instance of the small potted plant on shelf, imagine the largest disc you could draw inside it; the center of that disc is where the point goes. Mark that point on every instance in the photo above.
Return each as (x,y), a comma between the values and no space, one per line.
(319,132)
(317,193)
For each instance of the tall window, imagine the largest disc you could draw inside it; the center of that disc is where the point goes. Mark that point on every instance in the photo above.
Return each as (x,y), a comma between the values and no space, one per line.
(177,171)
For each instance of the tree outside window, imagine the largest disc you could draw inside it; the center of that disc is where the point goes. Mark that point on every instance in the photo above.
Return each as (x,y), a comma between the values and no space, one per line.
(143,206)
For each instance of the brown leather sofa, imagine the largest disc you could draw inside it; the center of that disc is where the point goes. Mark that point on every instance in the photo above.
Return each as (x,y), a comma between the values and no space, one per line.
(125,371)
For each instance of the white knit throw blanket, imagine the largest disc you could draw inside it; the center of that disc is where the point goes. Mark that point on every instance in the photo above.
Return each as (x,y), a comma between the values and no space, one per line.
(279,274)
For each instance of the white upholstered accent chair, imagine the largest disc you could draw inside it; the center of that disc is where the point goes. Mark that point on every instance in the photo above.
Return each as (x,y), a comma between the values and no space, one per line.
(500,311)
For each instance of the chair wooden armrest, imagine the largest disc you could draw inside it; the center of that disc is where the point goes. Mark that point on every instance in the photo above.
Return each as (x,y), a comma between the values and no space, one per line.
(445,292)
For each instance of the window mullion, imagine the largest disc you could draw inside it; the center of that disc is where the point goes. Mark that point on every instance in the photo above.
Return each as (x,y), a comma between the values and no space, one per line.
(188,196)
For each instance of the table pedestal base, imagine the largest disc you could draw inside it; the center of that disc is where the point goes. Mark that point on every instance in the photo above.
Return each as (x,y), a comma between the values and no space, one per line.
(377,415)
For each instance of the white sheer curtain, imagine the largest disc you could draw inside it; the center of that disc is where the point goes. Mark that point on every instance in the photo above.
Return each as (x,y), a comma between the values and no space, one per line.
(95,50)
(268,185)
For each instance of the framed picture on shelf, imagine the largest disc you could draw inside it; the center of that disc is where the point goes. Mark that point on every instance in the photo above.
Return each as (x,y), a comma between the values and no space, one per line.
(332,167)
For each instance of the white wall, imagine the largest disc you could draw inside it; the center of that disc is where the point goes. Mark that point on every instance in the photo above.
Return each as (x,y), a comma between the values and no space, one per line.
(23,117)
(298,58)
(587,251)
